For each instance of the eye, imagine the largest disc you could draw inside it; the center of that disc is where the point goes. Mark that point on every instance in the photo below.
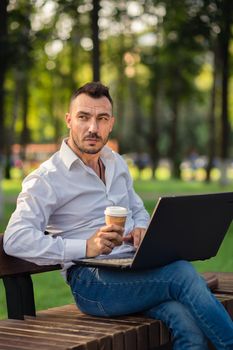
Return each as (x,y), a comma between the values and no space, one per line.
(83,117)
(103,117)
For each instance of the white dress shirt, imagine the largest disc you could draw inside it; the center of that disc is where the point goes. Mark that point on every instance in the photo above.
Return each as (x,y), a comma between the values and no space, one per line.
(67,198)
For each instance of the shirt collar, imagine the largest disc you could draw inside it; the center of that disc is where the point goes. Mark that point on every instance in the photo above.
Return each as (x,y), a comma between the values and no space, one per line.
(69,157)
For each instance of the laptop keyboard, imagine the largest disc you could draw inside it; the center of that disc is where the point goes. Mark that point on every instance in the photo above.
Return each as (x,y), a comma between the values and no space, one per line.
(124,261)
(104,261)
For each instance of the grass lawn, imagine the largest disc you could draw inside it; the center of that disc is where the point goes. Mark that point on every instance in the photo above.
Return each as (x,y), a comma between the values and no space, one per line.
(50,289)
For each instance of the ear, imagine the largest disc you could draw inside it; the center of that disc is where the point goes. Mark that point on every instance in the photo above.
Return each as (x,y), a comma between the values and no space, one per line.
(112,120)
(68,120)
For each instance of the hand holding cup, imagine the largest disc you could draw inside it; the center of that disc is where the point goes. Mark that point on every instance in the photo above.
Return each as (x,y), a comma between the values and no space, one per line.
(109,236)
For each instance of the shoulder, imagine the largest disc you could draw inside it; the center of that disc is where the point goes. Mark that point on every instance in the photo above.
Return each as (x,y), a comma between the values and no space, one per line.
(44,174)
(115,156)
(121,161)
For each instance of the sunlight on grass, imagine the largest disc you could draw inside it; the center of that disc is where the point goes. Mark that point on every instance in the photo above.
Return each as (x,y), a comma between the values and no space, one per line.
(11,186)
(163,173)
(215,174)
(146,174)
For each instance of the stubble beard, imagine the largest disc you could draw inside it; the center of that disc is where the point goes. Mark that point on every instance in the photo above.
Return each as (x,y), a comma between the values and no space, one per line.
(88,150)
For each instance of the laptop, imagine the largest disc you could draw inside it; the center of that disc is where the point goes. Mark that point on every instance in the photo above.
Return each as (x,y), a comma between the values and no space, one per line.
(190,227)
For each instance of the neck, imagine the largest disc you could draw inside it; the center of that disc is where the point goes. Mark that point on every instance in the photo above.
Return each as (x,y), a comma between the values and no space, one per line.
(90,160)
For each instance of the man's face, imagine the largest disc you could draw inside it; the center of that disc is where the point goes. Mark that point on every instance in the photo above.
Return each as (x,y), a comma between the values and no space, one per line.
(90,122)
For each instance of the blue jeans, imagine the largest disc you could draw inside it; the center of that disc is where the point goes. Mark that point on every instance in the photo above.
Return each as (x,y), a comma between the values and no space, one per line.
(175,294)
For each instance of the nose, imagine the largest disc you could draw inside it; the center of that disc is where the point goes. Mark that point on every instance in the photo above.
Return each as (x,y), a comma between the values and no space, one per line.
(93,126)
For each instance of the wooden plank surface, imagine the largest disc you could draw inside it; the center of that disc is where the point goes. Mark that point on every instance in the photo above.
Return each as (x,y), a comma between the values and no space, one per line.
(85,331)
(149,332)
(19,328)
(225,284)
(134,332)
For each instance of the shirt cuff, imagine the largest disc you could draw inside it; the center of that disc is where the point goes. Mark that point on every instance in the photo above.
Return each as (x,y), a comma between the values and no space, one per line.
(74,249)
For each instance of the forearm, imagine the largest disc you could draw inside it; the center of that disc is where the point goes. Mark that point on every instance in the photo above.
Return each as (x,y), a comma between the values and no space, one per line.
(33,245)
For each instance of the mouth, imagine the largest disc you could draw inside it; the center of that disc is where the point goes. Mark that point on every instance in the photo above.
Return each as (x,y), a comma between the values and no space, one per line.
(92,139)
(91,142)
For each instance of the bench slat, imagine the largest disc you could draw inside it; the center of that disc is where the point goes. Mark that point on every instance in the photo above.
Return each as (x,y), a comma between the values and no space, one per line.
(24,343)
(90,330)
(73,341)
(84,331)
(128,331)
(148,330)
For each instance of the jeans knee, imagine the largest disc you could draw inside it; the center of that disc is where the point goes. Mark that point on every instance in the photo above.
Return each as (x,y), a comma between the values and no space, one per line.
(185,277)
(184,270)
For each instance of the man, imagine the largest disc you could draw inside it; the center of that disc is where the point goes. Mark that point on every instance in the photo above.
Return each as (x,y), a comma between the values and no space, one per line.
(67,196)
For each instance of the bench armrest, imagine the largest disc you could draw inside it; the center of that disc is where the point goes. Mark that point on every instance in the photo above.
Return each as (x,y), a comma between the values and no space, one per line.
(10,265)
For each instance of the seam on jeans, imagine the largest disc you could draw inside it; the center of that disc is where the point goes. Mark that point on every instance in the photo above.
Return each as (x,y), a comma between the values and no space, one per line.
(164,317)
(203,319)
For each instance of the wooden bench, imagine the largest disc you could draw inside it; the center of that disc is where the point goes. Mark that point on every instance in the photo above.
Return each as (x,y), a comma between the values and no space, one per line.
(68,328)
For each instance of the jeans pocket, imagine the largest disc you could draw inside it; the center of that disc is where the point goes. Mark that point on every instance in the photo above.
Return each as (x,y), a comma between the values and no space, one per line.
(91,307)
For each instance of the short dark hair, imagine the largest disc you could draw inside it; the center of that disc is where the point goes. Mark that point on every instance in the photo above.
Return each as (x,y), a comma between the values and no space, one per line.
(94,89)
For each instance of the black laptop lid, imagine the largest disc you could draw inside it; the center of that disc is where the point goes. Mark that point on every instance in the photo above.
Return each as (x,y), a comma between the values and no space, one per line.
(185,227)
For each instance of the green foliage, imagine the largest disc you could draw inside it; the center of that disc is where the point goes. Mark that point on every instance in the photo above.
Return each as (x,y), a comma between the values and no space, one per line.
(152,54)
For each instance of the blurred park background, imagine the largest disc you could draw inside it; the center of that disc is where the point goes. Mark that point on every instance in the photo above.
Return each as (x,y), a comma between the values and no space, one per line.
(169,68)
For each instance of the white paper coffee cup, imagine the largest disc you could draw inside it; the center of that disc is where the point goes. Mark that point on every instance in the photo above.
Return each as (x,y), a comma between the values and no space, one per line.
(116,215)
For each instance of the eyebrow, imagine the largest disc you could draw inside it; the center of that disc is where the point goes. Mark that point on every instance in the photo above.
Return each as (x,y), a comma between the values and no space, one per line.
(99,114)
(83,112)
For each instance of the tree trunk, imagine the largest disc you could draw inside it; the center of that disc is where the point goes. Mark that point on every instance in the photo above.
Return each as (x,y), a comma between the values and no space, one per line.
(153,133)
(120,106)
(120,131)
(174,146)
(96,42)
(11,130)
(25,136)
(137,127)
(74,56)
(212,122)
(3,67)
(225,37)
(225,40)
